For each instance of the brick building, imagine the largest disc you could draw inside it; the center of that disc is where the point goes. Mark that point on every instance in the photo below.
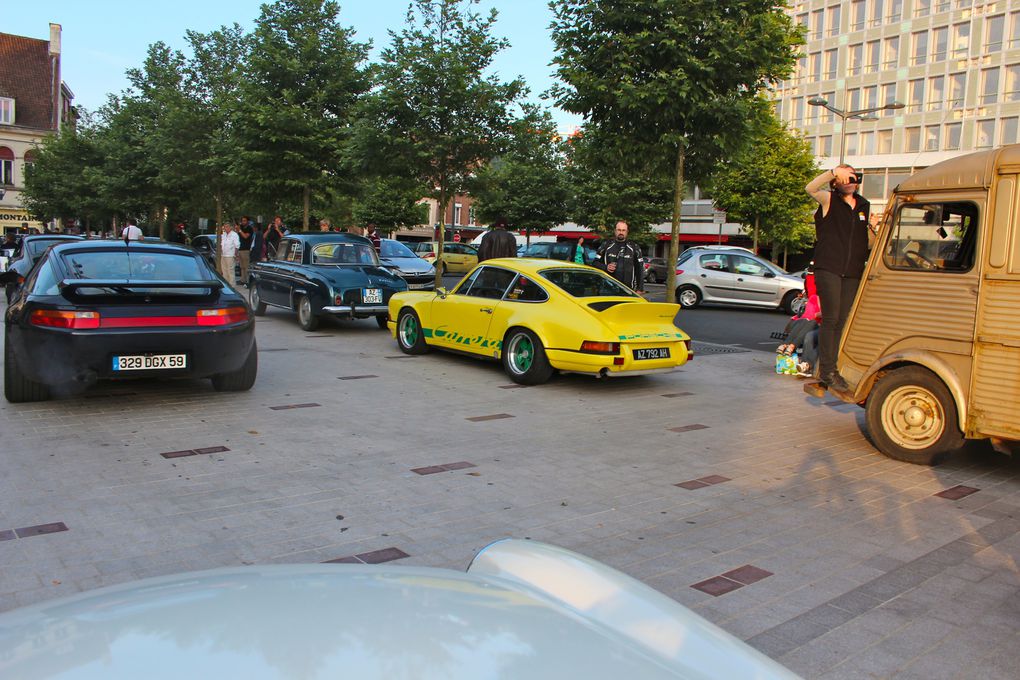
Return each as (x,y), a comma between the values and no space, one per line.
(34,102)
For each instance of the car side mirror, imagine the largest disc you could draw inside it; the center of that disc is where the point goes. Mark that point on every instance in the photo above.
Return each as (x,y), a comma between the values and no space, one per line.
(769,275)
(442,292)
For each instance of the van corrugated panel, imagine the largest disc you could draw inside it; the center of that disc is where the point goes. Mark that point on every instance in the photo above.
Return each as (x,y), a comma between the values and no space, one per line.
(899,305)
(995,400)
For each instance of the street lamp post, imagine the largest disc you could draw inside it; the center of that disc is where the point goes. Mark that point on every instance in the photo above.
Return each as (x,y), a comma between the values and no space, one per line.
(859,114)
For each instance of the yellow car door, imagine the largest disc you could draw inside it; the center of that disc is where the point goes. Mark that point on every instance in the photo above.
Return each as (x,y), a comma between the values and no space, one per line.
(461,319)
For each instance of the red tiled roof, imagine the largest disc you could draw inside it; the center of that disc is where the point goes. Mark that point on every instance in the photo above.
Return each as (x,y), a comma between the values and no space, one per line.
(26,76)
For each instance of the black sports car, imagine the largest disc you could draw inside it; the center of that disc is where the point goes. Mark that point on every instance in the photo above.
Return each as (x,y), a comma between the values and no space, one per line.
(32,249)
(324,273)
(398,258)
(92,310)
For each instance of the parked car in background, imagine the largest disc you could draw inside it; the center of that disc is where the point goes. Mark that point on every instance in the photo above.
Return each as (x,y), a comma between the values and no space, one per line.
(93,310)
(321,274)
(398,258)
(542,316)
(563,250)
(522,609)
(33,247)
(655,270)
(734,276)
(458,258)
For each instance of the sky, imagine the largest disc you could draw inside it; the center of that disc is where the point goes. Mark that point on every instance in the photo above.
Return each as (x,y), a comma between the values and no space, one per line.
(101,39)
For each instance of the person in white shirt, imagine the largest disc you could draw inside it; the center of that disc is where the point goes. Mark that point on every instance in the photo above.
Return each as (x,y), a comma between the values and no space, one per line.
(229,245)
(131,232)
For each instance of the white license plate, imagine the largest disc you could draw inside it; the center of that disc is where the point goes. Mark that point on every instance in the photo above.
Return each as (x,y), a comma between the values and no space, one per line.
(652,353)
(150,362)
(371,295)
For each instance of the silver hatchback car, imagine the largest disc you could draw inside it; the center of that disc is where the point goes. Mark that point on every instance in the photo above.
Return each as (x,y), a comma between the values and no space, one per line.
(735,276)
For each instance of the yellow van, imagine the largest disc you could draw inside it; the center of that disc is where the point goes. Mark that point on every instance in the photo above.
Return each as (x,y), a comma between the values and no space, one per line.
(932,345)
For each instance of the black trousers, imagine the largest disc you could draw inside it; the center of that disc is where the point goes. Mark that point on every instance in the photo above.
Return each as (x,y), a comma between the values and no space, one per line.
(836,296)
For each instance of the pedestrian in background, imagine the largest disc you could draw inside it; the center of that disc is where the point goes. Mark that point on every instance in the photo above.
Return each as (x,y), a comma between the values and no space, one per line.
(372,235)
(274,232)
(246,233)
(131,232)
(229,245)
(621,257)
(579,251)
(842,223)
(179,235)
(497,242)
(324,225)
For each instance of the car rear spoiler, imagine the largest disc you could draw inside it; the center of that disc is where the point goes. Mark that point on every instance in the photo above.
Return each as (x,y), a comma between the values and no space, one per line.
(74,284)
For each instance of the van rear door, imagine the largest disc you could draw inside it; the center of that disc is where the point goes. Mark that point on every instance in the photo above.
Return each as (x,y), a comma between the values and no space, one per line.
(995,388)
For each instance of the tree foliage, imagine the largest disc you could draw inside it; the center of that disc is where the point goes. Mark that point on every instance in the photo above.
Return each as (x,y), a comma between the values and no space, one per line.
(433,115)
(527,185)
(678,79)
(763,187)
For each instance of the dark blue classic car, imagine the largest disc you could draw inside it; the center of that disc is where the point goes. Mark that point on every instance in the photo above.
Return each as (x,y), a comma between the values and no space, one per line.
(324,273)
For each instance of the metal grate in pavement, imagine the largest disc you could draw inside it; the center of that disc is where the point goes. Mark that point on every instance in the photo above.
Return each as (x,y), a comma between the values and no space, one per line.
(711,348)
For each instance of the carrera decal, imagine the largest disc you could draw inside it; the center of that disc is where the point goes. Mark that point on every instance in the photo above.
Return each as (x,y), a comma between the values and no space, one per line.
(454,336)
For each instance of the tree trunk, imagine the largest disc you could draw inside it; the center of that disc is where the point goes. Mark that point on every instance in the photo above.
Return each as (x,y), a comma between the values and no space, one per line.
(308,205)
(163,214)
(786,253)
(756,229)
(441,236)
(674,232)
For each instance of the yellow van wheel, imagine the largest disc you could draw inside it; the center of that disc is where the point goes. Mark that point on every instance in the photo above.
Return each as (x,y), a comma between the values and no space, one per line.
(911,416)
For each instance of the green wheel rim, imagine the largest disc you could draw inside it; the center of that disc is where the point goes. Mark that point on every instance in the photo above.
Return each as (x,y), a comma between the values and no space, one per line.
(408,331)
(522,353)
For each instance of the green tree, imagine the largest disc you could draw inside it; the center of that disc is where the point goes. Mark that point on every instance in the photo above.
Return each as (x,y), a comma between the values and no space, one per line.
(677,79)
(434,115)
(609,182)
(389,203)
(305,73)
(528,184)
(62,182)
(763,187)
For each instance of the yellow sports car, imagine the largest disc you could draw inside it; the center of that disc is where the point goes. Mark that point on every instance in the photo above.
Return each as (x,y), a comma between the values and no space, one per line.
(540,316)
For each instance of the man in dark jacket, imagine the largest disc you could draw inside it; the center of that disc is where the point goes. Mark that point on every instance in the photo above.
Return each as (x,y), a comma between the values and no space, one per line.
(621,257)
(497,242)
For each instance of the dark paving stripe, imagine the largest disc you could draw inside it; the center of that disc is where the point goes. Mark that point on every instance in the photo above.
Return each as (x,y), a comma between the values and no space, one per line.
(287,407)
(458,466)
(110,395)
(816,622)
(274,349)
(178,454)
(692,484)
(212,449)
(955,493)
(344,560)
(7,535)
(401,356)
(355,377)
(512,387)
(380,556)
(747,574)
(688,428)
(495,416)
(717,585)
(713,479)
(429,470)
(40,529)
(318,336)
(673,395)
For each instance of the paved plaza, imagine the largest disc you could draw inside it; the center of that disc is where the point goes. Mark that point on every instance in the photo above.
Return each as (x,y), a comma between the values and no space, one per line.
(721,485)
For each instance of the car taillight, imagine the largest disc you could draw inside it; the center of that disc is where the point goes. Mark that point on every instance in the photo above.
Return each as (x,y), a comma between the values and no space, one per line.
(430,254)
(690,352)
(593,347)
(221,317)
(55,318)
(679,272)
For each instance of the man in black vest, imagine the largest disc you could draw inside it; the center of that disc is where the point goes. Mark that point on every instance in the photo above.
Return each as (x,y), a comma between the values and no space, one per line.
(842,222)
(497,242)
(621,258)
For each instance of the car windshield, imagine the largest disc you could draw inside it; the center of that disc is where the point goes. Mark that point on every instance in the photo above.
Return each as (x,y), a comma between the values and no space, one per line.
(344,253)
(133,267)
(395,249)
(586,283)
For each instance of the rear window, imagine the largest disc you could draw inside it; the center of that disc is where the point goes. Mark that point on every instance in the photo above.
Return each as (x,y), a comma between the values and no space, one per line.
(37,247)
(133,269)
(586,283)
(344,253)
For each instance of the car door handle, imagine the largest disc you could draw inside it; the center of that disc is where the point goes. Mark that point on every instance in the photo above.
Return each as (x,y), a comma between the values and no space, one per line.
(487,310)
(704,276)
(739,279)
